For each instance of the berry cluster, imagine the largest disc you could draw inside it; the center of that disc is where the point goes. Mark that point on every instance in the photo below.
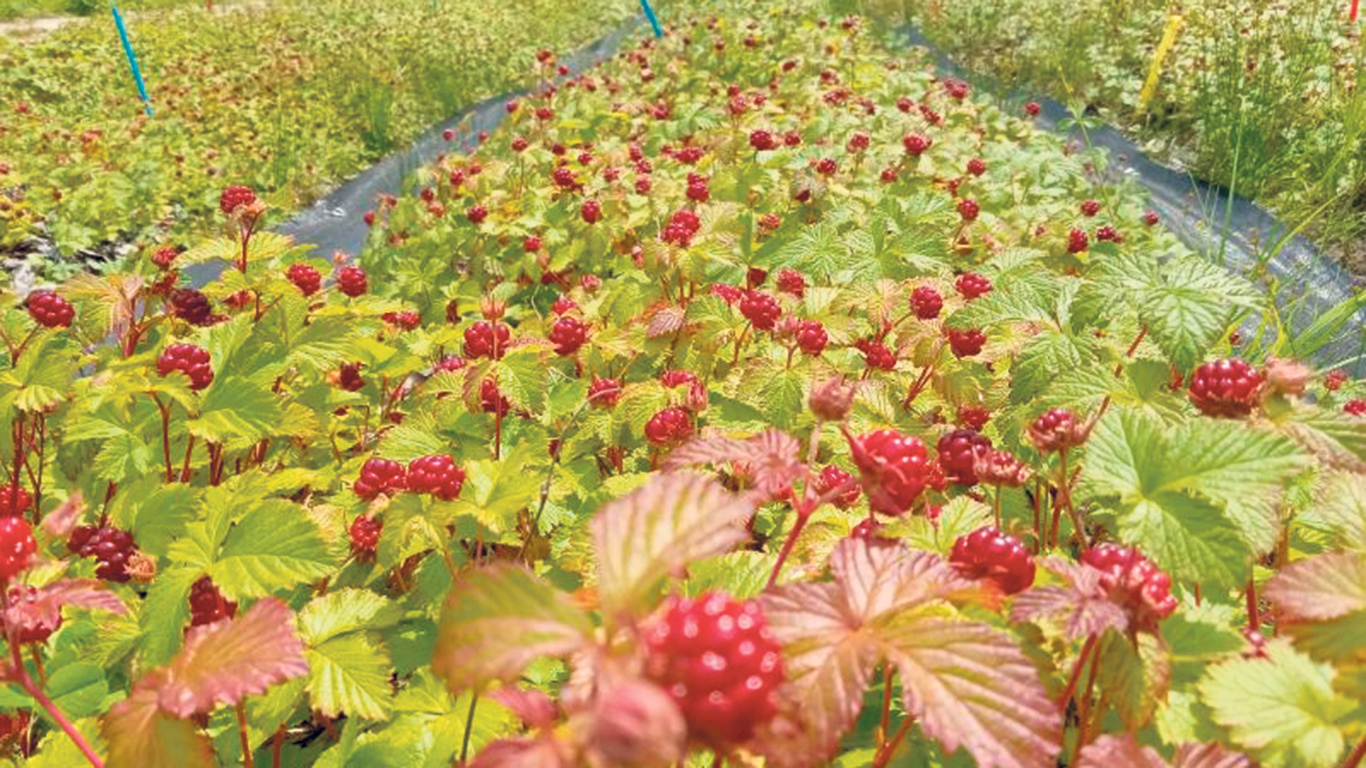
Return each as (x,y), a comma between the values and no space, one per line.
(14,500)
(1056,430)
(876,355)
(761,309)
(437,475)
(1134,582)
(682,226)
(965,343)
(364,536)
(380,476)
(604,393)
(959,452)
(188,359)
(812,337)
(1226,388)
(567,335)
(718,661)
(192,306)
(208,605)
(485,339)
(110,546)
(352,281)
(307,279)
(235,197)
(50,310)
(926,303)
(894,469)
(989,555)
(670,426)
(833,478)
(972,286)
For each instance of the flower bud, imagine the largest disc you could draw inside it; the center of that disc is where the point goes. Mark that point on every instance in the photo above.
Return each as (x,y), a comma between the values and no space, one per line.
(832,400)
(633,723)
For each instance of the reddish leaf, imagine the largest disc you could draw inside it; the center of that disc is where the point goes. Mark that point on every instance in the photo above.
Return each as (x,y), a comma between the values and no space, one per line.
(1209,756)
(657,530)
(540,752)
(45,610)
(140,734)
(1083,604)
(532,707)
(226,661)
(772,459)
(60,522)
(1114,751)
(666,321)
(1321,588)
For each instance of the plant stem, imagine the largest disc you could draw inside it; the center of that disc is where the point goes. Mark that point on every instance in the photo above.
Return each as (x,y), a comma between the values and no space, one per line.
(803,515)
(469,728)
(1354,759)
(996,507)
(885,753)
(1254,617)
(277,745)
(1072,679)
(1065,492)
(886,704)
(26,682)
(247,759)
(165,436)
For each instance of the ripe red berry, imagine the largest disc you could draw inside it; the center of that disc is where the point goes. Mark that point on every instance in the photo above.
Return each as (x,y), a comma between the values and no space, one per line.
(14,500)
(235,197)
(833,478)
(674,379)
(449,364)
(827,167)
(916,144)
(1055,430)
(207,603)
(16,546)
(364,535)
(568,334)
(876,355)
(192,306)
(972,286)
(110,547)
(369,218)
(491,400)
(307,279)
(762,141)
(1333,380)
(990,555)
(563,305)
(965,343)
(50,310)
(926,302)
(188,359)
(531,244)
(485,339)
(405,320)
(670,426)
(1077,241)
(352,281)
(761,309)
(791,281)
(958,453)
(968,209)
(894,469)
(717,659)
(36,627)
(591,211)
(812,338)
(728,293)
(1151,218)
(380,476)
(755,277)
(977,166)
(972,417)
(1108,233)
(436,475)
(1226,388)
(604,393)
(1133,581)
(165,257)
(1090,207)
(1354,407)
(1033,108)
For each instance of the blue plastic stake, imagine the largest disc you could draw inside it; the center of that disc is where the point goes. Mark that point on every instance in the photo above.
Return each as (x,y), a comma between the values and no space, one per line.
(654,20)
(132,60)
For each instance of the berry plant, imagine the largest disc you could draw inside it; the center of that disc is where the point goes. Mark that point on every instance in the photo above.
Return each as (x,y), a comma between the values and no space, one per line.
(694,418)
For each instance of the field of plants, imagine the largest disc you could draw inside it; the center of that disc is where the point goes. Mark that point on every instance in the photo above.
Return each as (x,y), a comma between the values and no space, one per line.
(1259,96)
(756,398)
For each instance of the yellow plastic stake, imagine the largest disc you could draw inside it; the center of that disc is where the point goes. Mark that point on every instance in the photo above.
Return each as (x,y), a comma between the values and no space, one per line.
(1155,71)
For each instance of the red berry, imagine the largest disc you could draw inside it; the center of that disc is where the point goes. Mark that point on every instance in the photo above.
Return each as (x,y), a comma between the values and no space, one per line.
(968,209)
(348,377)
(563,305)
(364,535)
(719,662)
(476,214)
(894,469)
(1077,241)
(958,453)
(34,627)
(926,302)
(450,363)
(1108,233)
(827,167)
(1033,109)
(972,417)
(1090,207)
(207,603)
(604,393)
(192,306)
(531,244)
(977,166)
(568,334)
(591,211)
(352,281)
(164,257)
(876,355)
(988,554)
(670,426)
(1226,388)
(1055,430)
(1333,380)
(405,320)
(791,281)
(437,475)
(233,198)
(965,343)
(110,547)
(762,141)
(1133,581)
(16,546)
(675,379)
(1354,407)
(369,218)
(770,221)
(491,400)
(380,476)
(972,286)
(305,278)
(1151,218)
(832,478)
(188,359)
(916,144)
(485,339)
(50,310)
(755,277)
(812,338)
(761,309)
(728,293)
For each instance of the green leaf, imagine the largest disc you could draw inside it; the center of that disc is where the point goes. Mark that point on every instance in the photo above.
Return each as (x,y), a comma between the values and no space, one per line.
(350,675)
(346,611)
(236,408)
(1187,537)
(1282,708)
(276,546)
(1185,322)
(496,491)
(163,516)
(523,377)
(165,614)
(500,619)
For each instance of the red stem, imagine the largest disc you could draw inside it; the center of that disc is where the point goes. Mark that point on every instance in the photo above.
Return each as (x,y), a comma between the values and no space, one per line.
(804,508)
(1254,617)
(886,704)
(165,436)
(885,753)
(1354,759)
(247,760)
(277,745)
(1072,679)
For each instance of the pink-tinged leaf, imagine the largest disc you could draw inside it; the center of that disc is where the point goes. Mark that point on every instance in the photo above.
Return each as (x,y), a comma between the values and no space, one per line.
(1209,756)
(226,661)
(829,661)
(1321,588)
(657,530)
(498,620)
(970,686)
(1116,751)
(530,706)
(60,522)
(45,609)
(540,752)
(140,734)
(666,321)
(771,459)
(1083,604)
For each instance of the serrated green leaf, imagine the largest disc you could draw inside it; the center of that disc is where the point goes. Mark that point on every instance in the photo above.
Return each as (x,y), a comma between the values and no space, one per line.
(276,546)
(350,675)
(345,611)
(236,408)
